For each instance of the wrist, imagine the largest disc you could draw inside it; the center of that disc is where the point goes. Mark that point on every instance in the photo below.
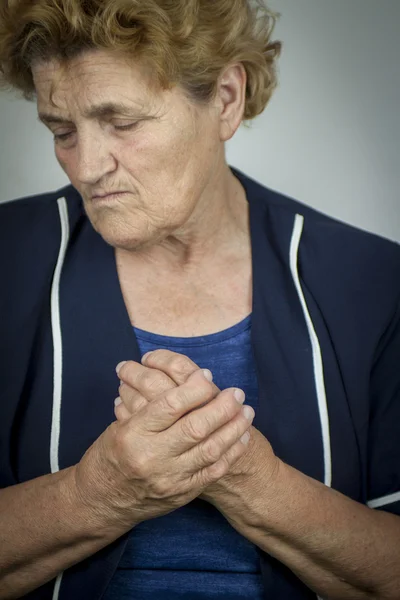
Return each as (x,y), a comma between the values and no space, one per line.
(95,520)
(256,470)
(97,492)
(249,496)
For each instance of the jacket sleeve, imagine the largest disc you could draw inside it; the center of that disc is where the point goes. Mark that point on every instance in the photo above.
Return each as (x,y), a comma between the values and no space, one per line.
(384,423)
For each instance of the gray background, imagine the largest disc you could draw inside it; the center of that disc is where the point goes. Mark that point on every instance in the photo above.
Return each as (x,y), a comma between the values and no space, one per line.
(330,137)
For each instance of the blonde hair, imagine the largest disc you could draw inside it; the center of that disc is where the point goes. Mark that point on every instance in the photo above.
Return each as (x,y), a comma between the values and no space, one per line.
(185,42)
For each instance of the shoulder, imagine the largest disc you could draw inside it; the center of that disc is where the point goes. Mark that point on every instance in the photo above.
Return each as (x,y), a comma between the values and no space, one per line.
(330,249)
(21,210)
(30,217)
(273,201)
(31,235)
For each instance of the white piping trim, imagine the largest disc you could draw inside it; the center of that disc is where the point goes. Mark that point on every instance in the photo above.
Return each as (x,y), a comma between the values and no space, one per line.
(316,350)
(57,352)
(57,337)
(57,585)
(384,500)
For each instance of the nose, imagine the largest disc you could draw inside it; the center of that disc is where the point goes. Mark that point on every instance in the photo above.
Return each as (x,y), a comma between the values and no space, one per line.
(94,160)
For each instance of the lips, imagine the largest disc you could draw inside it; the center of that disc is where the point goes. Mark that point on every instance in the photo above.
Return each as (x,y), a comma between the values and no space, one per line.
(107,194)
(117,193)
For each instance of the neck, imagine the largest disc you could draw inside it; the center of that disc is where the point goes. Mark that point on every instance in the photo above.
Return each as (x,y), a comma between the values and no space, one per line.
(220,222)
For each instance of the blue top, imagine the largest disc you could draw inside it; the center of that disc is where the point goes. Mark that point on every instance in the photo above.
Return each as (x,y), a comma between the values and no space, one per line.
(194,552)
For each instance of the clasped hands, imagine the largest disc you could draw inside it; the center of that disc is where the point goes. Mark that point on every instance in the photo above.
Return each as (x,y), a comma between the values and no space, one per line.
(176,437)
(215,424)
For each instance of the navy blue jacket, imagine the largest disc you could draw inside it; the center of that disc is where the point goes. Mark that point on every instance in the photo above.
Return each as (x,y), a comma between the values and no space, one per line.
(326,341)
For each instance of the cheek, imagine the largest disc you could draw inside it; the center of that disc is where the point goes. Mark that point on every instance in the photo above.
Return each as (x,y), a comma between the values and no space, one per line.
(66,162)
(153,165)
(164,150)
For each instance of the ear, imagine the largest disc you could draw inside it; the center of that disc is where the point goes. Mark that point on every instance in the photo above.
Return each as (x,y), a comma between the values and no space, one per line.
(231,98)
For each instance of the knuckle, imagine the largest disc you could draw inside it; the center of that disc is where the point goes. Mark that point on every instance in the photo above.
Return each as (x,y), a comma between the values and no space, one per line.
(180,364)
(120,412)
(137,404)
(160,358)
(221,416)
(146,378)
(212,450)
(218,469)
(162,488)
(123,453)
(125,392)
(172,360)
(161,382)
(184,396)
(122,440)
(172,401)
(238,426)
(153,381)
(234,453)
(229,408)
(159,355)
(193,429)
(202,392)
(140,466)
(137,464)
(207,390)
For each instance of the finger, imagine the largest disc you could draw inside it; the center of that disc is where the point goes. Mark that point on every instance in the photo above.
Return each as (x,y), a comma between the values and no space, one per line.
(120,410)
(177,367)
(165,411)
(200,424)
(150,383)
(220,442)
(132,399)
(215,472)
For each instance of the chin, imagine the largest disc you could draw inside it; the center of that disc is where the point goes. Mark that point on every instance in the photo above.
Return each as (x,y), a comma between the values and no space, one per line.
(123,237)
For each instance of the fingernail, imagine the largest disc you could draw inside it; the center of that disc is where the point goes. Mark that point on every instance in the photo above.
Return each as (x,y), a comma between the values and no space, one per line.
(121,364)
(249,413)
(117,402)
(245,438)
(146,356)
(208,375)
(239,395)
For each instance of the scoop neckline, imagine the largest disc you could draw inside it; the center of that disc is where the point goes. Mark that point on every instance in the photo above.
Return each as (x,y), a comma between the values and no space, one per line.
(211,338)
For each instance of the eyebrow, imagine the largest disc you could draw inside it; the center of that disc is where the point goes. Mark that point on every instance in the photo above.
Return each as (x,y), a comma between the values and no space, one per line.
(107,109)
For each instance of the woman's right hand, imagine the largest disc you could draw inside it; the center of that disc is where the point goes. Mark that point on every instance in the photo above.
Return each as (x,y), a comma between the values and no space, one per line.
(165,454)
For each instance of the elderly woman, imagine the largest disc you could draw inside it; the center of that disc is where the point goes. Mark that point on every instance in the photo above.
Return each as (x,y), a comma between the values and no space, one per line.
(193,279)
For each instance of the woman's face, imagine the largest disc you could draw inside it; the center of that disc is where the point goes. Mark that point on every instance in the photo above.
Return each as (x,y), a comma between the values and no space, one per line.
(116,133)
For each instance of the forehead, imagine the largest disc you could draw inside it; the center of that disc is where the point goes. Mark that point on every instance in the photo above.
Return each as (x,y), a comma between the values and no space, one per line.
(90,77)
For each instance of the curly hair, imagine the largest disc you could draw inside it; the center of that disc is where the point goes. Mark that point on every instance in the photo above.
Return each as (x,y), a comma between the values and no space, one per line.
(184,42)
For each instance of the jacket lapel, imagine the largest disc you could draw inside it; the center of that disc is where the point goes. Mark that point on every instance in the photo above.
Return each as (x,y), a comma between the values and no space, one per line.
(288,410)
(97,335)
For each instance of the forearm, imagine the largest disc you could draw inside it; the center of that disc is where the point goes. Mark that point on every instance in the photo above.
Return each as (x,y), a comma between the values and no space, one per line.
(46,527)
(338,547)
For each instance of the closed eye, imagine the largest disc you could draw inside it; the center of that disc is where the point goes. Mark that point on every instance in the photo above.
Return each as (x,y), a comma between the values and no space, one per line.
(125,127)
(62,136)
